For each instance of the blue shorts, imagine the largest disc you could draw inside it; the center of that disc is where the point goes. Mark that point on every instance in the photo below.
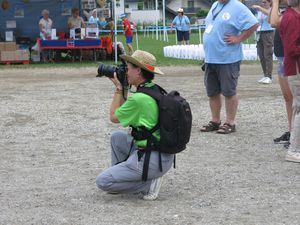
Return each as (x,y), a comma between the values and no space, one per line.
(280,68)
(221,78)
(129,39)
(183,35)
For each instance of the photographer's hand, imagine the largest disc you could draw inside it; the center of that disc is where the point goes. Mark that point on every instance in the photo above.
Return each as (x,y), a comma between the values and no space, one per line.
(116,82)
(118,98)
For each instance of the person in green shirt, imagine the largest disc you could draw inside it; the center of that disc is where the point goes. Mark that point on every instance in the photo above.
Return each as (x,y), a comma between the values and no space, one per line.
(127,155)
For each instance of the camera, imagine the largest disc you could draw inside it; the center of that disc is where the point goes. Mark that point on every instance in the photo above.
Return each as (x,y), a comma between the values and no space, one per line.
(109,70)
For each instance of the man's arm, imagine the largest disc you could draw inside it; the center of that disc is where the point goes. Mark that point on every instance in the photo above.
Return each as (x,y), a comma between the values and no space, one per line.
(82,23)
(70,24)
(41,28)
(231,39)
(189,24)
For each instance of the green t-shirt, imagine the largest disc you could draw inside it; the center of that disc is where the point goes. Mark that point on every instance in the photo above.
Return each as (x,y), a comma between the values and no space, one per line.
(139,110)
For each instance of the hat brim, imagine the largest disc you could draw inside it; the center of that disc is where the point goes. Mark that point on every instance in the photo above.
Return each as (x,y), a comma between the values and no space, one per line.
(132,60)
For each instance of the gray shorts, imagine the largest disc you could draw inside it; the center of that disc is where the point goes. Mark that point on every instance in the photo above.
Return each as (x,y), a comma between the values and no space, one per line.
(221,78)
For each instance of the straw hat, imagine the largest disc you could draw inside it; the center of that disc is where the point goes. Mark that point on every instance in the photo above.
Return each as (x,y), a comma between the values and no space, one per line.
(144,60)
(180,10)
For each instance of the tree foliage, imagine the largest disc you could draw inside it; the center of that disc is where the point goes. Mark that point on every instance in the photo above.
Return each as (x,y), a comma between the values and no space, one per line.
(202,13)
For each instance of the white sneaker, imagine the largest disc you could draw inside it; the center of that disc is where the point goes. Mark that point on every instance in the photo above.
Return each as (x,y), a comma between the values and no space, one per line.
(292,156)
(261,80)
(154,189)
(267,80)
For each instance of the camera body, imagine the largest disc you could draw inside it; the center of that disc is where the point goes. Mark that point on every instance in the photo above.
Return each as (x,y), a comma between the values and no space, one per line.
(109,70)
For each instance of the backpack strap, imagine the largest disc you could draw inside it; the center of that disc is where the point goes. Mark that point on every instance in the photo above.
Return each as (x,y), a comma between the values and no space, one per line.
(151,144)
(146,166)
(155,91)
(142,133)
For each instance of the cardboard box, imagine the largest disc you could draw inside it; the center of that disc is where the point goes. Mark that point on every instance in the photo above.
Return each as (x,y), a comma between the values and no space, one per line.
(7,55)
(10,46)
(2,46)
(22,55)
(18,55)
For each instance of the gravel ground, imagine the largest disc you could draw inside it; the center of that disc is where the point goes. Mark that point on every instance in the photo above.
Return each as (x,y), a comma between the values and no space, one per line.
(55,131)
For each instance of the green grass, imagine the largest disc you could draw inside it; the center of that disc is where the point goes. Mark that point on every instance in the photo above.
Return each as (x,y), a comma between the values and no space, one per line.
(148,44)
(155,47)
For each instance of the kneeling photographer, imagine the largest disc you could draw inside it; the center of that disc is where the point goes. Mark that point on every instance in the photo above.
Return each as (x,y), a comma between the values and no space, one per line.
(128,154)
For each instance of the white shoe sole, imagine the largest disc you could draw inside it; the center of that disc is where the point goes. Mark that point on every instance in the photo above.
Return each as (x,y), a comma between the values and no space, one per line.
(261,80)
(292,158)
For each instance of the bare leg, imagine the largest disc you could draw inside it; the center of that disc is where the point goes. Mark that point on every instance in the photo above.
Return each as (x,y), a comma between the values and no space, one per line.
(215,104)
(130,49)
(288,97)
(231,104)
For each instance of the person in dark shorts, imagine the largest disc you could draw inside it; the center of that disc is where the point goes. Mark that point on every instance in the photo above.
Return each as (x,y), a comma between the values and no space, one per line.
(228,23)
(183,27)
(283,82)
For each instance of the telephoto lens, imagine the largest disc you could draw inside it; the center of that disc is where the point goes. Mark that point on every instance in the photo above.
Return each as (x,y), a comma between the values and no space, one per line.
(107,71)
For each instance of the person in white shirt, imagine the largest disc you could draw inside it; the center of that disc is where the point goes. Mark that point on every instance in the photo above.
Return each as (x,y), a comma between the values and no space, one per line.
(45,26)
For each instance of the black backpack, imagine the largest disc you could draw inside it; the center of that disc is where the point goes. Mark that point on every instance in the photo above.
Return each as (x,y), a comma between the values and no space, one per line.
(175,123)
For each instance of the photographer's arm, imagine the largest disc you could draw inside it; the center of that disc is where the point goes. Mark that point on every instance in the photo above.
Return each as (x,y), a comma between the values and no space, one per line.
(117,100)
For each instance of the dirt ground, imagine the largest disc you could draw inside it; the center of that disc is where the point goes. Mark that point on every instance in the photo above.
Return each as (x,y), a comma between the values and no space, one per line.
(55,130)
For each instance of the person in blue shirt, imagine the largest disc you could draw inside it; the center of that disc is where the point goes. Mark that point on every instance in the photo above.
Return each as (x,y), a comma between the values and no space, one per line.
(183,27)
(94,19)
(228,23)
(265,39)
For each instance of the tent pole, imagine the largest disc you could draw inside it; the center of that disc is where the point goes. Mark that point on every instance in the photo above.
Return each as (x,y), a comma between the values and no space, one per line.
(116,34)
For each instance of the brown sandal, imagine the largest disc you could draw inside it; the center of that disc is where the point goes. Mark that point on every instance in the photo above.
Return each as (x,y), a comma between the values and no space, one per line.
(226,128)
(211,126)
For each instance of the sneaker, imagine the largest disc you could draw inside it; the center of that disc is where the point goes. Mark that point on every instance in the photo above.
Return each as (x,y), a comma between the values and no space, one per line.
(154,189)
(292,156)
(261,80)
(267,80)
(283,138)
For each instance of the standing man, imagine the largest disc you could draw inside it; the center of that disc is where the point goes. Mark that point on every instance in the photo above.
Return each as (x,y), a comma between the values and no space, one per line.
(183,27)
(228,23)
(128,33)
